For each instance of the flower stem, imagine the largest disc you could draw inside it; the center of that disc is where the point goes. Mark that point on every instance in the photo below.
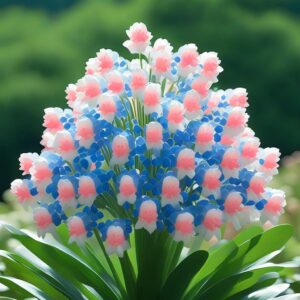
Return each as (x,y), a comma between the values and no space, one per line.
(111,266)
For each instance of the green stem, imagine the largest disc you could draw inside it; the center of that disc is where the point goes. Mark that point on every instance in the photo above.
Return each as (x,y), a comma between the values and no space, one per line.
(141,60)
(111,266)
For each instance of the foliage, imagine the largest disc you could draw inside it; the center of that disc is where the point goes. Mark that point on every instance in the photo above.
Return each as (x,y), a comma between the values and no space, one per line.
(237,269)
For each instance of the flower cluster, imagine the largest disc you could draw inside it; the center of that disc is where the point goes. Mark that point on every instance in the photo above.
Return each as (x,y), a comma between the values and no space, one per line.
(149,144)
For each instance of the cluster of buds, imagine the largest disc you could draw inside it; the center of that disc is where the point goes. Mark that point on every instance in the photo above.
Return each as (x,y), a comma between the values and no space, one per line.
(149,144)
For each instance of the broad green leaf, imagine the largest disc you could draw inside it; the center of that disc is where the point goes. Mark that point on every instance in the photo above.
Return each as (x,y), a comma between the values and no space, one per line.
(271,240)
(269,292)
(65,262)
(221,255)
(47,274)
(265,281)
(179,279)
(24,288)
(234,284)
(248,234)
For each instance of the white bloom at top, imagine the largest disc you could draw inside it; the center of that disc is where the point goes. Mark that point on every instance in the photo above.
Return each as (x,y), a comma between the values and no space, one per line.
(139,38)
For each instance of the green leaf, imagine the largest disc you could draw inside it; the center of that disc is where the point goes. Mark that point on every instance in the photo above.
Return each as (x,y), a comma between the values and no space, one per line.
(269,292)
(271,240)
(248,234)
(216,259)
(179,279)
(24,288)
(234,284)
(65,262)
(46,273)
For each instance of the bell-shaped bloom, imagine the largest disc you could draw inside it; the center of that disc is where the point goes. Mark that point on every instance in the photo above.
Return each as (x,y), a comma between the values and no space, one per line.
(273,209)
(71,92)
(152,99)
(176,120)
(147,216)
(214,98)
(116,242)
(86,190)
(201,86)
(210,64)
(249,150)
(52,119)
(171,192)
(236,121)
(184,228)
(154,135)
(162,45)
(127,188)
(138,82)
(212,223)
(191,103)
(188,59)
(269,158)
(85,131)
(88,89)
(64,145)
(43,221)
(161,58)
(211,182)
(77,230)
(231,163)
(120,150)
(105,61)
(66,193)
(139,38)
(204,138)
(26,160)
(232,208)
(40,170)
(20,188)
(257,186)
(186,163)
(238,97)
(115,82)
(107,107)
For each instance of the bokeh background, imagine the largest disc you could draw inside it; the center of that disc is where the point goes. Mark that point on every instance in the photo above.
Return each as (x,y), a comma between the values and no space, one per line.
(44,46)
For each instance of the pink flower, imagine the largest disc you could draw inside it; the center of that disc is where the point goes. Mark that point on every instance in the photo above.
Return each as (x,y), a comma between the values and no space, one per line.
(139,38)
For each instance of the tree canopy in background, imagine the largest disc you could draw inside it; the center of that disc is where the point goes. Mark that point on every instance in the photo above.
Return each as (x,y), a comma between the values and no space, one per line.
(40,53)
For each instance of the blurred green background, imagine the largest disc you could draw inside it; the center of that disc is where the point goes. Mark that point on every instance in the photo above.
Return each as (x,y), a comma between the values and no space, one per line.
(44,46)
